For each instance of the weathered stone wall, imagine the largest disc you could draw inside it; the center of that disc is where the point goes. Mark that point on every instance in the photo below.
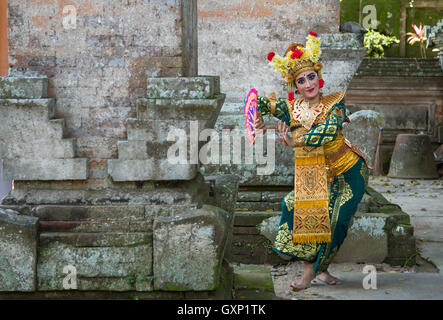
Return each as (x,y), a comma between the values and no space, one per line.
(236,36)
(97,70)
(91,107)
(5,186)
(234,40)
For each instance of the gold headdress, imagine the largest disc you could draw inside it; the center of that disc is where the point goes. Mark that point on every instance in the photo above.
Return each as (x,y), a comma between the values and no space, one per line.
(298,59)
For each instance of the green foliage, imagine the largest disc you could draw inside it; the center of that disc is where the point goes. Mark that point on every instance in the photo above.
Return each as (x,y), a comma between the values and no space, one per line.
(376,43)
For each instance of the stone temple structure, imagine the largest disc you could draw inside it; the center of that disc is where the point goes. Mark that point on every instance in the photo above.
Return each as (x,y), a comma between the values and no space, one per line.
(86,113)
(94,91)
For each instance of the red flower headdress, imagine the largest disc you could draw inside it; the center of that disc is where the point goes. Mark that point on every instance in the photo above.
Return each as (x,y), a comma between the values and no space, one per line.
(297,59)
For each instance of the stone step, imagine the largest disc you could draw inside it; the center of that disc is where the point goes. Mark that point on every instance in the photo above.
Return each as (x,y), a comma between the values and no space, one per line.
(383,103)
(398,94)
(29,130)
(122,261)
(432,83)
(382,72)
(380,232)
(84,213)
(411,88)
(40,149)
(203,87)
(407,68)
(400,67)
(45,169)
(387,101)
(424,70)
(158,130)
(58,125)
(258,206)
(400,63)
(185,110)
(31,109)
(96,239)
(413,117)
(253,282)
(143,150)
(96,226)
(23,87)
(150,169)
(389,60)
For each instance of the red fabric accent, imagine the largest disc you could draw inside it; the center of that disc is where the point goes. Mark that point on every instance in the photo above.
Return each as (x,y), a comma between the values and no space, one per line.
(271,56)
(312,33)
(291,96)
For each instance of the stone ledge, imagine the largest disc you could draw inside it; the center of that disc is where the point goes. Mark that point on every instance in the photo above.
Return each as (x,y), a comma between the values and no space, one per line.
(18,251)
(131,289)
(202,87)
(23,87)
(42,149)
(96,226)
(92,239)
(253,282)
(367,239)
(180,109)
(117,267)
(343,40)
(380,232)
(89,213)
(157,131)
(46,169)
(154,200)
(37,109)
(150,169)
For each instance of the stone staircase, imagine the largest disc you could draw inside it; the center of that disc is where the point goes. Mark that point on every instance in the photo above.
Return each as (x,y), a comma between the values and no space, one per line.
(408,92)
(144,156)
(399,67)
(33,145)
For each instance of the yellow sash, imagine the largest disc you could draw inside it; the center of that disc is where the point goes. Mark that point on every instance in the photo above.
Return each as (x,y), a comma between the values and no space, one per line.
(311,198)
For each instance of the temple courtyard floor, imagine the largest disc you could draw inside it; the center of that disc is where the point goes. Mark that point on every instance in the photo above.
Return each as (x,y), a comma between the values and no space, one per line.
(423,201)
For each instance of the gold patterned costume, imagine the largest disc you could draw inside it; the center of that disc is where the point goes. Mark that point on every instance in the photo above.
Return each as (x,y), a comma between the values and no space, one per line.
(330,173)
(334,185)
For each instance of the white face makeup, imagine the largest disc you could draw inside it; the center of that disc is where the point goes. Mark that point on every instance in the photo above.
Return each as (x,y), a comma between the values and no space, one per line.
(307,84)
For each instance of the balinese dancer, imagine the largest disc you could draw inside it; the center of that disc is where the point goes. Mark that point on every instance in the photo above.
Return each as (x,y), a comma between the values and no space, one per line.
(330,173)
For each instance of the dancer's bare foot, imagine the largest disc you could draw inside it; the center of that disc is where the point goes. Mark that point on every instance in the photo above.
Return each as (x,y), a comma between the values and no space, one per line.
(328,279)
(300,284)
(305,281)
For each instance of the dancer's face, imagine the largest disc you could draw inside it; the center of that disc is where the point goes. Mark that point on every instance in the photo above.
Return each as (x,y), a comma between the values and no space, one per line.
(307,84)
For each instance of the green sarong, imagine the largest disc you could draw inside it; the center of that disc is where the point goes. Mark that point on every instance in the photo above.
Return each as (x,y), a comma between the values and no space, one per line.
(345,193)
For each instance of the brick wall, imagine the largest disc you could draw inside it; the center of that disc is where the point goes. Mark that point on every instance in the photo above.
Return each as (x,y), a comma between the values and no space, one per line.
(97,70)
(235,37)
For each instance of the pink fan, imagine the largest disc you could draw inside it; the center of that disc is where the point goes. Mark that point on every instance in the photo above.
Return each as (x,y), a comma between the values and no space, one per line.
(250,112)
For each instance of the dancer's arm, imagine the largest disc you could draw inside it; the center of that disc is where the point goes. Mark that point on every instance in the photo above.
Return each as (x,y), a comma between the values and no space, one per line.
(276,106)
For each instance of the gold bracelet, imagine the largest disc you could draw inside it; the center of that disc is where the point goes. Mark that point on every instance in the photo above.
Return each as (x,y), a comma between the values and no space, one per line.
(273,100)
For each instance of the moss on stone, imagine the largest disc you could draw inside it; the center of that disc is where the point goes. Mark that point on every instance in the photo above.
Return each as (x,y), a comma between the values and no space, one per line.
(253,277)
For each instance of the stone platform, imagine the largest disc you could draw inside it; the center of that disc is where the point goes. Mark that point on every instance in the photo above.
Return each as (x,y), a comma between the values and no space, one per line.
(380,232)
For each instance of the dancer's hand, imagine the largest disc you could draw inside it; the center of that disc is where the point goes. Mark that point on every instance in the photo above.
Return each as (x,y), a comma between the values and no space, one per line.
(259,124)
(286,139)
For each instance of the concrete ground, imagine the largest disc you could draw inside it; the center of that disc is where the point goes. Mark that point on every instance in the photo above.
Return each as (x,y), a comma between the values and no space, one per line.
(423,201)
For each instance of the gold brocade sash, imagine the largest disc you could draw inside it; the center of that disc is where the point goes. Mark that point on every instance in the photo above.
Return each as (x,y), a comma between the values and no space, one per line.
(311,198)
